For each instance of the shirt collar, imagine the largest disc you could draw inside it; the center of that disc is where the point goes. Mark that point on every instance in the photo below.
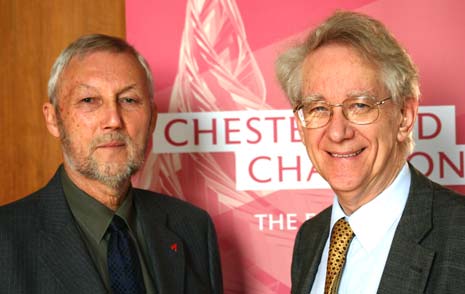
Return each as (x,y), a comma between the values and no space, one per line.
(91,215)
(371,222)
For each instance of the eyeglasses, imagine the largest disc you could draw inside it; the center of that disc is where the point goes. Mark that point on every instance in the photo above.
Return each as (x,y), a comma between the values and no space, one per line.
(316,113)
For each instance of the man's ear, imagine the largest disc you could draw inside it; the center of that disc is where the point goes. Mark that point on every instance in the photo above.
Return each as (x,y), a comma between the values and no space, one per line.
(300,127)
(51,120)
(408,117)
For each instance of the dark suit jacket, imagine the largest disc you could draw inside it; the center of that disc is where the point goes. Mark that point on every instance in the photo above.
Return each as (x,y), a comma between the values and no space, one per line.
(41,249)
(427,253)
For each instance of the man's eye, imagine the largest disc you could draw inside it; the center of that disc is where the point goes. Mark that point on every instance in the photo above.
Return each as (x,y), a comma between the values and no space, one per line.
(128,100)
(359,107)
(314,109)
(319,109)
(87,100)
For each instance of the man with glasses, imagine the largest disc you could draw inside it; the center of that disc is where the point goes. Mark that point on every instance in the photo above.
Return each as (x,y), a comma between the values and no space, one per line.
(354,91)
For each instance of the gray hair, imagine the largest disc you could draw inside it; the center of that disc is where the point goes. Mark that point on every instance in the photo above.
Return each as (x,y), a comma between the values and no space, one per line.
(373,42)
(90,44)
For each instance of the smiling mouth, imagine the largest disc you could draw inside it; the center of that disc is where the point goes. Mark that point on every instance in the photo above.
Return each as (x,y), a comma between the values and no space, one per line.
(347,155)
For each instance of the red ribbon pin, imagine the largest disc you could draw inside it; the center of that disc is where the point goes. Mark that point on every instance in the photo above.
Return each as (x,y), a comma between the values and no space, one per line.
(174,247)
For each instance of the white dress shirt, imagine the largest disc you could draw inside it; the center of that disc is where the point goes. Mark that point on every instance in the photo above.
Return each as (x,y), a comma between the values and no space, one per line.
(374,225)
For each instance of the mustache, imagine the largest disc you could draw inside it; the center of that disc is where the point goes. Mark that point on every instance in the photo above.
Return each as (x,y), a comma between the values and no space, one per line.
(109,137)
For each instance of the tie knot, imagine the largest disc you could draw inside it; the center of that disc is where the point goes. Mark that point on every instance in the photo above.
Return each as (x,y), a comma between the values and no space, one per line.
(342,229)
(117,224)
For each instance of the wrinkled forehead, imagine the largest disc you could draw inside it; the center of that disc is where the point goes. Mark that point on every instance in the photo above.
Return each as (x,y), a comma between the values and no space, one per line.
(339,70)
(93,67)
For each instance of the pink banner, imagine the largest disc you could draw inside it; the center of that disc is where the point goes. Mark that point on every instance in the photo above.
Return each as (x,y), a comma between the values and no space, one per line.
(226,139)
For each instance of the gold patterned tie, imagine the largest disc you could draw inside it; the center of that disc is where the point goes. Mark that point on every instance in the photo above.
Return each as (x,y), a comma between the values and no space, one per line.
(341,236)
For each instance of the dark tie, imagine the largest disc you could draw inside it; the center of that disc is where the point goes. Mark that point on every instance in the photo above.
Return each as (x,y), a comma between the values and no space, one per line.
(341,236)
(123,262)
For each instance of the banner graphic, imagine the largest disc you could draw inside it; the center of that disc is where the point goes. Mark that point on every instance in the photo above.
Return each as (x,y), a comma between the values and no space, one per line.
(226,138)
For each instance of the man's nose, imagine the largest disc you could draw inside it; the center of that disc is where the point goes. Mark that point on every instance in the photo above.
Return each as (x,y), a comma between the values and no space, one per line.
(339,127)
(112,117)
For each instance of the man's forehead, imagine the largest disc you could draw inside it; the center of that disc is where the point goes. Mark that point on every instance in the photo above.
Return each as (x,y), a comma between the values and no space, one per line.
(338,70)
(81,74)
(119,64)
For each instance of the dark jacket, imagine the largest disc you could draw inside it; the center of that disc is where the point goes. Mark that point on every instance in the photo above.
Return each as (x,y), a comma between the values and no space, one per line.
(41,249)
(427,254)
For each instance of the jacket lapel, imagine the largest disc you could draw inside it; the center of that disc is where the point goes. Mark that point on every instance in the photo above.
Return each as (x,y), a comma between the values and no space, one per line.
(61,248)
(165,249)
(409,263)
(311,247)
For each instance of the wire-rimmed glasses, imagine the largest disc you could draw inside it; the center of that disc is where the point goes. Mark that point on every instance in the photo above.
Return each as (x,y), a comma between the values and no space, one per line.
(362,110)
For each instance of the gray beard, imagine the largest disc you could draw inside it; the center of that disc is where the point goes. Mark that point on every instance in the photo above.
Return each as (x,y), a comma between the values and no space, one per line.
(102,173)
(111,175)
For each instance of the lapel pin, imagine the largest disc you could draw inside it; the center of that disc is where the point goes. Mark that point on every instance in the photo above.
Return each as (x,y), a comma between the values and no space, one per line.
(174,247)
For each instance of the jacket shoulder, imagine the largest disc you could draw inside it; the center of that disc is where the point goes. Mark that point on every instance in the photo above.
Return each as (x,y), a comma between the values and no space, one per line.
(444,200)
(448,209)
(170,205)
(19,211)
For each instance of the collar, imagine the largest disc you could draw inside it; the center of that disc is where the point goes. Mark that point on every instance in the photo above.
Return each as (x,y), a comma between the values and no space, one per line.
(92,216)
(372,221)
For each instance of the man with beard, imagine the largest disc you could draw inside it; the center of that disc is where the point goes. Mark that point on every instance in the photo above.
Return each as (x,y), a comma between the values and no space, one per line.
(88,230)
